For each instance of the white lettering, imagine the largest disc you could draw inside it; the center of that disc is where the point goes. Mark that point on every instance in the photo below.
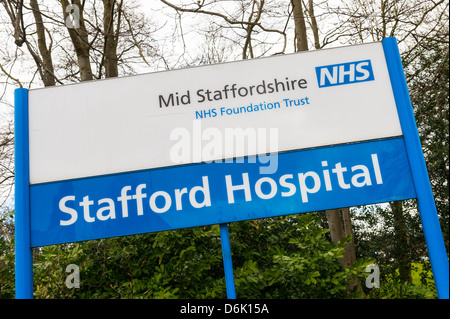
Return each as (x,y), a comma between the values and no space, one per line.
(304,190)
(273,188)
(291,186)
(350,73)
(326,176)
(204,190)
(376,168)
(138,197)
(332,78)
(365,174)
(167,204)
(110,208)
(178,196)
(85,204)
(308,183)
(339,170)
(124,198)
(72,212)
(360,69)
(231,188)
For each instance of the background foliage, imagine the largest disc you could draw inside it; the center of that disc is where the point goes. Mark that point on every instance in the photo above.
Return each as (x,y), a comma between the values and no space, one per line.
(286,257)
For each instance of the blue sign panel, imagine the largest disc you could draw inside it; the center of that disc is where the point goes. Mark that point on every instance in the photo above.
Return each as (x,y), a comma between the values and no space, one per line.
(202,194)
(344,73)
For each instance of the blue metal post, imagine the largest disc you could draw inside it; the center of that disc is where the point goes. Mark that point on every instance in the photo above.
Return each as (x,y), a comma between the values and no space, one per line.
(425,200)
(227,264)
(24,261)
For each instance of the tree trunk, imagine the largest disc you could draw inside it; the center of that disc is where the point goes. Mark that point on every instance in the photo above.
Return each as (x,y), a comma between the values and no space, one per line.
(301,38)
(46,62)
(339,221)
(314,27)
(340,226)
(110,47)
(401,242)
(80,41)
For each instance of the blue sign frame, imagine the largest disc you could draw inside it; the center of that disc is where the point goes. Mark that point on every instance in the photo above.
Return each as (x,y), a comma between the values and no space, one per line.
(425,200)
(23,252)
(310,167)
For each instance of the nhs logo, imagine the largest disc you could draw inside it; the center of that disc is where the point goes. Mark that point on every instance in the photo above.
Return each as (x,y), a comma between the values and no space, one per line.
(344,73)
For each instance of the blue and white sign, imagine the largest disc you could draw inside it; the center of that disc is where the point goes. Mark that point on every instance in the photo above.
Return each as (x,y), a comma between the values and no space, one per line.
(107,161)
(203,194)
(155,152)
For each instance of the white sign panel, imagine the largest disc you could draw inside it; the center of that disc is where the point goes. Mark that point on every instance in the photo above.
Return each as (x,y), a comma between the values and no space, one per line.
(110,126)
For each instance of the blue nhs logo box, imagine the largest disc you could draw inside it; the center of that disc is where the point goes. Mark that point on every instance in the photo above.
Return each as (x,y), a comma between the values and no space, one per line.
(344,73)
